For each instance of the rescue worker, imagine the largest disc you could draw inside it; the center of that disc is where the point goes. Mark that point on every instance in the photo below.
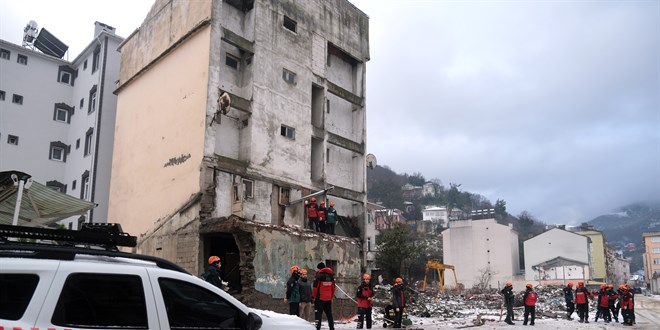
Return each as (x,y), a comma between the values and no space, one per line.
(212,273)
(305,296)
(612,298)
(364,296)
(570,300)
(632,303)
(293,291)
(509,297)
(627,306)
(331,219)
(312,214)
(582,302)
(398,301)
(617,306)
(529,299)
(323,292)
(603,305)
(321,213)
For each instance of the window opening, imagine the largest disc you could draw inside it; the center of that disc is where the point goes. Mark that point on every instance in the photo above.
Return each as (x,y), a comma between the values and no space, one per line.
(85,186)
(88,141)
(65,77)
(12,139)
(288,132)
(289,76)
(247,188)
(21,59)
(57,153)
(2,95)
(18,99)
(5,54)
(232,61)
(285,194)
(290,24)
(82,102)
(61,115)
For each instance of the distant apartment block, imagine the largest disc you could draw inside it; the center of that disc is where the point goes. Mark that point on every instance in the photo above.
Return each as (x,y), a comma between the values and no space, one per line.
(57,117)
(652,260)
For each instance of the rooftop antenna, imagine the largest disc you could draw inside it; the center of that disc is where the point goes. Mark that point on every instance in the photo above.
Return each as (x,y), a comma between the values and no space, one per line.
(30,33)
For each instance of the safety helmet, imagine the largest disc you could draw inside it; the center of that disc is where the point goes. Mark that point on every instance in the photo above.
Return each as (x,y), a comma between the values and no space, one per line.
(570,284)
(621,286)
(610,286)
(508,284)
(366,277)
(529,285)
(603,286)
(294,269)
(303,271)
(213,259)
(580,284)
(398,280)
(313,199)
(627,286)
(332,203)
(322,202)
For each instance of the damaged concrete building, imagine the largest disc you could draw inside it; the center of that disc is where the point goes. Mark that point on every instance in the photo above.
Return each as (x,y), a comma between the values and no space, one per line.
(230,114)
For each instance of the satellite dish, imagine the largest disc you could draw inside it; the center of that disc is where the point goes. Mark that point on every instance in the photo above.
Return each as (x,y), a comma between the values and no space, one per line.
(371,161)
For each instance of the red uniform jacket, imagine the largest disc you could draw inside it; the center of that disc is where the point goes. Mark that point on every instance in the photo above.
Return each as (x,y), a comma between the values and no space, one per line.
(364,292)
(324,285)
(603,299)
(312,210)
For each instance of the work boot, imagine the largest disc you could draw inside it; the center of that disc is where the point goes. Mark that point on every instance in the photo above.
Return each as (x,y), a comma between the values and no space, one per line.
(581,320)
(586,320)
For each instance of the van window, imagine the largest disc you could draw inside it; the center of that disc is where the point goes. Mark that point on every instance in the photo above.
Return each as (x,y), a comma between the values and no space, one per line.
(15,295)
(192,307)
(101,301)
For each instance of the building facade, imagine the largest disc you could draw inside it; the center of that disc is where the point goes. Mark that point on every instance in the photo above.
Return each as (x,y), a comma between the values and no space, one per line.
(652,260)
(57,118)
(483,252)
(598,262)
(542,250)
(197,177)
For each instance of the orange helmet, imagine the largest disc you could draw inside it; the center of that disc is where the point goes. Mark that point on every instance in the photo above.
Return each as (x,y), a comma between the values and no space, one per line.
(213,259)
(570,284)
(366,277)
(603,286)
(313,199)
(294,269)
(508,284)
(627,286)
(398,280)
(529,285)
(303,271)
(332,203)
(610,286)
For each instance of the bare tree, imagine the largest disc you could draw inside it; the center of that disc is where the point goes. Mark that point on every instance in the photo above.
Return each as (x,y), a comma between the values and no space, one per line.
(483,279)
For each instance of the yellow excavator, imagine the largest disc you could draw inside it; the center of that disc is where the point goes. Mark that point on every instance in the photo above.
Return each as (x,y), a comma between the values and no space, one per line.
(439,269)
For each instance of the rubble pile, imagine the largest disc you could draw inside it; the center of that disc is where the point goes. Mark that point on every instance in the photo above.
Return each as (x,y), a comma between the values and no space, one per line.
(452,305)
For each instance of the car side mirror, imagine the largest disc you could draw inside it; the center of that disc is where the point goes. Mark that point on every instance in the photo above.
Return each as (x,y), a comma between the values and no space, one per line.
(253,322)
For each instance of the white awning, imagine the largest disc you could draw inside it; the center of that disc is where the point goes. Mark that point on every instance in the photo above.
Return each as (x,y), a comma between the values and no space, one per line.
(40,205)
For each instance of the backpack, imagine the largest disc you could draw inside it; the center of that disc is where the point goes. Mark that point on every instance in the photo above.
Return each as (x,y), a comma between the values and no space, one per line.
(531,299)
(205,275)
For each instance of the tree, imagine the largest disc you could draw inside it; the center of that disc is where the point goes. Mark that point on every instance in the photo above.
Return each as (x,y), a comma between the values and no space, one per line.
(416,179)
(525,221)
(453,197)
(395,247)
(500,208)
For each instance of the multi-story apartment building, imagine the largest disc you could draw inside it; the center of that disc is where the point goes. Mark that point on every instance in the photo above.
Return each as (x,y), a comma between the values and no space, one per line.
(598,262)
(194,177)
(57,118)
(652,260)
(483,252)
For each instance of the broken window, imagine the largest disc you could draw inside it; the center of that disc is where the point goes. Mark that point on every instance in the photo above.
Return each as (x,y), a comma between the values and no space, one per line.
(288,132)
(290,24)
(285,194)
(247,188)
(289,76)
(232,61)
(235,193)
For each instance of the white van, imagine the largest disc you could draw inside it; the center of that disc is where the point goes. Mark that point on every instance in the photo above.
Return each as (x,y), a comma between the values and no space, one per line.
(62,285)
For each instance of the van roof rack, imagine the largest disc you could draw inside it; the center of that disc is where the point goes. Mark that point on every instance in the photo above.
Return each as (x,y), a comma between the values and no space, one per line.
(64,244)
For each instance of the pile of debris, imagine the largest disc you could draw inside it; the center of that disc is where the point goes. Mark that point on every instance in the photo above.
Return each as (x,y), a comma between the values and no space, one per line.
(450,305)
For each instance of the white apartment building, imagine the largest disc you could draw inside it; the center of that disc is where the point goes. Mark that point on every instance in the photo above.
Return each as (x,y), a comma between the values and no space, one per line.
(481,248)
(57,118)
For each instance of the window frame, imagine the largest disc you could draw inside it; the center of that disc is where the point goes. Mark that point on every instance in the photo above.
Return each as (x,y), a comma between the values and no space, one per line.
(22,59)
(248,192)
(288,132)
(289,76)
(17,99)
(96,59)
(65,74)
(290,24)
(5,54)
(88,142)
(58,111)
(12,139)
(234,58)
(84,186)
(2,95)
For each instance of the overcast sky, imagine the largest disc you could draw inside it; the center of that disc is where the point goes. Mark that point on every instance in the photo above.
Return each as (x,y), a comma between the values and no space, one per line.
(552,106)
